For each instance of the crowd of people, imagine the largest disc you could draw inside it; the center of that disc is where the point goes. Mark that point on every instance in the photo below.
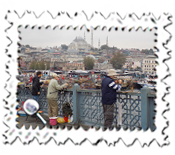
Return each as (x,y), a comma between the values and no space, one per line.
(109,87)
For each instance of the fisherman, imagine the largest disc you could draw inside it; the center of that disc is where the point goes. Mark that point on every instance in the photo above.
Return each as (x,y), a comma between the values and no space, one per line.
(52,95)
(109,88)
(36,86)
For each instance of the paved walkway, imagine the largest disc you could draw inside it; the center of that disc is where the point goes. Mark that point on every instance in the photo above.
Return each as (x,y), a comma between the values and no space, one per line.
(35,121)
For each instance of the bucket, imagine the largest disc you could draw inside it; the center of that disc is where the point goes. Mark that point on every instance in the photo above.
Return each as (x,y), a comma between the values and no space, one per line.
(53,120)
(21,113)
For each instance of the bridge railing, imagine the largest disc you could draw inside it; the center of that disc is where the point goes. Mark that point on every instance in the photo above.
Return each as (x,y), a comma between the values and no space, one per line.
(138,109)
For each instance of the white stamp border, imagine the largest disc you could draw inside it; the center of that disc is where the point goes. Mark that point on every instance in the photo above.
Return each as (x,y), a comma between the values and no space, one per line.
(60,136)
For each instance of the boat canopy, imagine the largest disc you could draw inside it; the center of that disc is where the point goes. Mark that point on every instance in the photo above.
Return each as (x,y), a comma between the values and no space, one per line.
(58,72)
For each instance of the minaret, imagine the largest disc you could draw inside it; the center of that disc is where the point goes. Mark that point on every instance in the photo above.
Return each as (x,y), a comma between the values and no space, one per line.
(99,43)
(91,37)
(107,41)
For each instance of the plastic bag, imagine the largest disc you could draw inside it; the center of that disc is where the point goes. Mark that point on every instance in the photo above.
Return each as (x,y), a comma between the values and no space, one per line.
(67,111)
(64,120)
(60,120)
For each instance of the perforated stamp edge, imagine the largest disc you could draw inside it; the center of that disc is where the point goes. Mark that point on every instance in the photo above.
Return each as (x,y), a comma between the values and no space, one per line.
(97,19)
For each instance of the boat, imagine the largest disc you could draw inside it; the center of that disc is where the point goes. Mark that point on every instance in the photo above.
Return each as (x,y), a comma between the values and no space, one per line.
(150,83)
(58,72)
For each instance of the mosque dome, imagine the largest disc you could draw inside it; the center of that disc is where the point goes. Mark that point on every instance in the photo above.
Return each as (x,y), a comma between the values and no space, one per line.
(79,44)
(79,39)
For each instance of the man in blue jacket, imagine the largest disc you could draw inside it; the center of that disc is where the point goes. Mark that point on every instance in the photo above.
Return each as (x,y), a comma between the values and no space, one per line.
(109,88)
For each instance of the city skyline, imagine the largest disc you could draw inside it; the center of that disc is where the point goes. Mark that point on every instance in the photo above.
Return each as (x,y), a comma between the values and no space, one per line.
(120,39)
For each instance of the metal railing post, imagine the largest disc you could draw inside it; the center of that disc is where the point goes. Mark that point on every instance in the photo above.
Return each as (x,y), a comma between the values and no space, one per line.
(145,108)
(151,113)
(75,103)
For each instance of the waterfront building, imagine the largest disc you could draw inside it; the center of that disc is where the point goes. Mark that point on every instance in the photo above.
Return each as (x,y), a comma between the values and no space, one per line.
(102,66)
(149,64)
(71,55)
(75,65)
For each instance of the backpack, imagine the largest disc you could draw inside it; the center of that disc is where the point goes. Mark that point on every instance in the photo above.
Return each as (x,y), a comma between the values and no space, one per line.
(66,108)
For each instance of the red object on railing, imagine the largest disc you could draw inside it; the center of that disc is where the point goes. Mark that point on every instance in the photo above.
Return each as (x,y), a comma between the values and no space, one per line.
(31,79)
(98,77)
(62,77)
(22,106)
(66,119)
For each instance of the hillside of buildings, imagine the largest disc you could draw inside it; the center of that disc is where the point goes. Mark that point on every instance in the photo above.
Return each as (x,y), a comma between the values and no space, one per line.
(70,57)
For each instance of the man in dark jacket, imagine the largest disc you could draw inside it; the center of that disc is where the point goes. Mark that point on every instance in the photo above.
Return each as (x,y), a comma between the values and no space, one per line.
(109,88)
(36,86)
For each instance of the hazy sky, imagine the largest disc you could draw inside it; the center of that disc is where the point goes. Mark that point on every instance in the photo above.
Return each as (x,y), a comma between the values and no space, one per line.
(121,39)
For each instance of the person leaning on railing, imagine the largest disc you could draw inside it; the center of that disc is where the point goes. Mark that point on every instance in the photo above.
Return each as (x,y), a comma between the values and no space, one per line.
(109,88)
(36,86)
(52,96)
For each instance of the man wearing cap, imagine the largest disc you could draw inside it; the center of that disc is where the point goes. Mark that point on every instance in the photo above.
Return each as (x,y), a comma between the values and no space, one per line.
(109,88)
(52,95)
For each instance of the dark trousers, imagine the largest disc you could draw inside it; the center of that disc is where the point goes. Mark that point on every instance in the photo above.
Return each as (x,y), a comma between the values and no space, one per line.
(36,97)
(108,111)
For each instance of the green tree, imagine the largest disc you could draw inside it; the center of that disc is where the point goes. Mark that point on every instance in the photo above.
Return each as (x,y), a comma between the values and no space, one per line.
(64,47)
(42,65)
(48,65)
(104,47)
(146,51)
(92,48)
(118,60)
(131,69)
(39,64)
(36,66)
(32,65)
(27,46)
(151,51)
(89,63)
